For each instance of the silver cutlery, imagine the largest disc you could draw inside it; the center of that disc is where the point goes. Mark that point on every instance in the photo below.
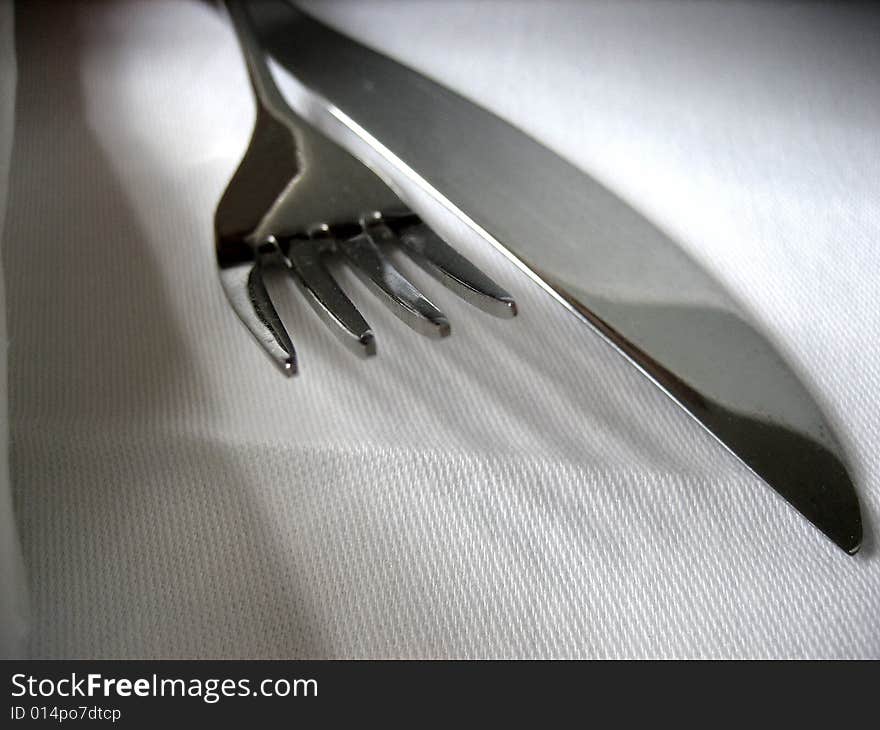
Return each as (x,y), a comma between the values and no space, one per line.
(297,198)
(598,257)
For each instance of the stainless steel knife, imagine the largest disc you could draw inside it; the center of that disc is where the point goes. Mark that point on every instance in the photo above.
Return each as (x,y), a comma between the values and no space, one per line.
(597,256)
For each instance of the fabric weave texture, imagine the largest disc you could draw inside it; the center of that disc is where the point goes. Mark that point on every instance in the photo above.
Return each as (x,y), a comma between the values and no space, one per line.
(517,490)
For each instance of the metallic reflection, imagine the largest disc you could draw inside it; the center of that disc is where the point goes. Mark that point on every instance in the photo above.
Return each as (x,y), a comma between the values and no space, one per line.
(595,254)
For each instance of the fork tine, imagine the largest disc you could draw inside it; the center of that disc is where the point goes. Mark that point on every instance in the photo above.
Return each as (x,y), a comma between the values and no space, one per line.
(328,300)
(246,291)
(438,258)
(377,270)
(296,183)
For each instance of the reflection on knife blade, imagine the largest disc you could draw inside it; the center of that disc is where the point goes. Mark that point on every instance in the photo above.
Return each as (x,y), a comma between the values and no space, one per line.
(589,249)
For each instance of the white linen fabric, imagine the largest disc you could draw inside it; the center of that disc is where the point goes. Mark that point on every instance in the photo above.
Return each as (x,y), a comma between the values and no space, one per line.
(517,490)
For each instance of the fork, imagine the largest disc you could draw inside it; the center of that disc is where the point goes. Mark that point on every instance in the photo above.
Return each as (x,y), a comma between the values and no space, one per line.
(298,198)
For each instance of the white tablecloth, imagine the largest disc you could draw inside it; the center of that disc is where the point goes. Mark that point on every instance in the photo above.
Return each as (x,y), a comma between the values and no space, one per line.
(517,490)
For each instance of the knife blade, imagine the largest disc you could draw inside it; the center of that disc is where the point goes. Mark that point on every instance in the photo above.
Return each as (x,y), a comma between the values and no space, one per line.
(596,255)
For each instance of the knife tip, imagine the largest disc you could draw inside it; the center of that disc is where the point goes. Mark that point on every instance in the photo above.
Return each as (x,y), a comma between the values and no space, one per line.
(854,545)
(850,541)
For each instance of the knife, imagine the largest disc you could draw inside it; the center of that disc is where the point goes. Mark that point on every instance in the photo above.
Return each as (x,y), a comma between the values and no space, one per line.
(599,258)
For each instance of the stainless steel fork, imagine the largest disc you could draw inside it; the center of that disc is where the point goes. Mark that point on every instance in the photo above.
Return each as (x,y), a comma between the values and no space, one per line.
(296,198)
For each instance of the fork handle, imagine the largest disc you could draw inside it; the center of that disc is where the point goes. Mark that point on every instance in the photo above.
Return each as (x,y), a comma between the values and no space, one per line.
(265,89)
